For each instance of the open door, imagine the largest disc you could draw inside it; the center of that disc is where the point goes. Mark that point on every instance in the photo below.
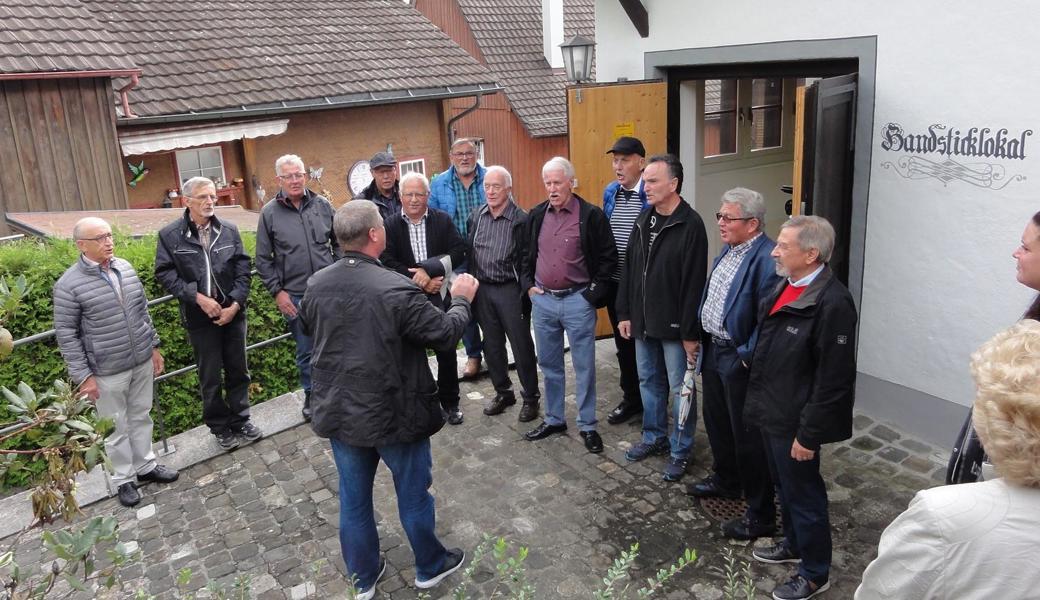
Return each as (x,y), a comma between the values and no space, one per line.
(597,115)
(826,167)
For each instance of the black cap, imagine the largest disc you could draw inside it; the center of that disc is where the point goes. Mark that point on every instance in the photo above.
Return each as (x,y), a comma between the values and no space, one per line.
(382,159)
(628,145)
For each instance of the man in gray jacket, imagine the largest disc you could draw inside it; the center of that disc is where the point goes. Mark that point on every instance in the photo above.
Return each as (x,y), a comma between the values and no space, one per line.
(111,351)
(294,240)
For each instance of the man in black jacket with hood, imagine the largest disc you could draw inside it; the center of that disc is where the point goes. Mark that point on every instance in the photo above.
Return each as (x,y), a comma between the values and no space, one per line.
(800,394)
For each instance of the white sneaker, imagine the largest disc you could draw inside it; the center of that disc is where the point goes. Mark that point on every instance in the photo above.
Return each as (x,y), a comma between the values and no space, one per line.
(371,591)
(456,557)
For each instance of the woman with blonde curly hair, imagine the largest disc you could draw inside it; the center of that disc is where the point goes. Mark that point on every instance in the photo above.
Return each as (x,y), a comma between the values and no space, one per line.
(977,540)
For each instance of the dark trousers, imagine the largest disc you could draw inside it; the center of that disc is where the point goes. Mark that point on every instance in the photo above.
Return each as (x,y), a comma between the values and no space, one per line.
(626,358)
(736,447)
(220,353)
(499,310)
(448,379)
(803,503)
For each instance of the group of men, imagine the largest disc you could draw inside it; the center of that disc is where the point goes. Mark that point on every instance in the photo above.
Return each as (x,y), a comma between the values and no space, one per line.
(769,329)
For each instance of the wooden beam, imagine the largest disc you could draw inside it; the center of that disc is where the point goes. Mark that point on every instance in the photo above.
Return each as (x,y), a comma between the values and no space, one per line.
(637,14)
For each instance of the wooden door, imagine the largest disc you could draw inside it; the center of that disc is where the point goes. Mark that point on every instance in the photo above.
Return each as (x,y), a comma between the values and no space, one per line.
(597,115)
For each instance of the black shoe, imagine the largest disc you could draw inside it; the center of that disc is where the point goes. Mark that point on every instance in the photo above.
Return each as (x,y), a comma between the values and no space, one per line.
(248,432)
(745,528)
(674,469)
(451,564)
(593,443)
(499,404)
(306,406)
(799,588)
(128,494)
(528,412)
(455,415)
(544,430)
(776,554)
(159,474)
(227,440)
(711,487)
(623,412)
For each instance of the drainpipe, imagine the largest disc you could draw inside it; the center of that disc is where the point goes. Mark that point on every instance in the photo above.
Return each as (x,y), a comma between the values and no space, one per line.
(451,121)
(124,97)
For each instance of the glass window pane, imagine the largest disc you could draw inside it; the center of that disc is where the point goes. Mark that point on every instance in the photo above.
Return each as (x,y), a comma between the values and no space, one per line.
(720,95)
(187,160)
(765,128)
(720,134)
(767,91)
(209,157)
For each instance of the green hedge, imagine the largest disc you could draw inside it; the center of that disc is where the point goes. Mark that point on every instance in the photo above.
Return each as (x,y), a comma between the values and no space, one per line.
(273,368)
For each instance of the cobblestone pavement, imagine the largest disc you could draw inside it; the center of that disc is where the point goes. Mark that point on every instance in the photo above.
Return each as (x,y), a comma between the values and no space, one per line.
(270,510)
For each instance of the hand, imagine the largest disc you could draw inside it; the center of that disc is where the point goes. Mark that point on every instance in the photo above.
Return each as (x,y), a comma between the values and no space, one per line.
(226,314)
(692,348)
(158,364)
(285,305)
(420,276)
(90,388)
(208,305)
(624,329)
(434,285)
(800,452)
(466,286)
(534,290)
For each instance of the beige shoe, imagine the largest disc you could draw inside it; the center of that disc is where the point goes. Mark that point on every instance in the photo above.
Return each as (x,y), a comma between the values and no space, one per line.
(472,368)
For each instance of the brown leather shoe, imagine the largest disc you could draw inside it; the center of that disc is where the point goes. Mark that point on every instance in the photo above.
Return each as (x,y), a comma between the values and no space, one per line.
(472,367)
(528,412)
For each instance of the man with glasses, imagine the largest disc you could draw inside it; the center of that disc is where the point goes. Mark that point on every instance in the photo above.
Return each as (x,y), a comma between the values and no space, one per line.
(457,192)
(383,191)
(423,245)
(111,351)
(200,260)
(742,275)
(294,240)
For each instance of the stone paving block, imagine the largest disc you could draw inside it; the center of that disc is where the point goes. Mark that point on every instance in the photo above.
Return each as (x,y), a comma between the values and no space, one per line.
(892,454)
(866,443)
(861,422)
(918,464)
(885,433)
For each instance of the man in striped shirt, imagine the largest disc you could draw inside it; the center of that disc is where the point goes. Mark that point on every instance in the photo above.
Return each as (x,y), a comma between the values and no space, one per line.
(623,200)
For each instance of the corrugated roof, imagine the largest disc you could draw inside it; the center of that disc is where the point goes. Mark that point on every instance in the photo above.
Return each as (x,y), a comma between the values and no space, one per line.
(201,55)
(41,36)
(509,33)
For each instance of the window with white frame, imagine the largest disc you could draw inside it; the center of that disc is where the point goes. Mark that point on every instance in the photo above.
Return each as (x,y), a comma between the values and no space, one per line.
(479,143)
(201,162)
(417,165)
(743,118)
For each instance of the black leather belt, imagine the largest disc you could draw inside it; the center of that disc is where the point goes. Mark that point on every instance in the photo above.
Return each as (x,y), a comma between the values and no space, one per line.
(721,343)
(564,293)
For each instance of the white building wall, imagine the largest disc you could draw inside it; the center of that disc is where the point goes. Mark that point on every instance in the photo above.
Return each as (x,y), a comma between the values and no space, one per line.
(938,275)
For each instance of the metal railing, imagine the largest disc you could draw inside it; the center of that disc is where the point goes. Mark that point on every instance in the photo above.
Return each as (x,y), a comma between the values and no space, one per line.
(156,402)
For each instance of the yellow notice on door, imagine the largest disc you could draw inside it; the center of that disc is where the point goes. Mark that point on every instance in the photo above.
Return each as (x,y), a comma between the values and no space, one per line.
(623,129)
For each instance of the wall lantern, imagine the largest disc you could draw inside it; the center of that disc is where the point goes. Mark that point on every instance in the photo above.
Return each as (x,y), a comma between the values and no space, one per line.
(577,58)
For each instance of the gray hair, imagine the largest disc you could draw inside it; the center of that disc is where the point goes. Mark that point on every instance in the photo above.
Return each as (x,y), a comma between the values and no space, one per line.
(288,159)
(415,176)
(501,171)
(751,203)
(813,232)
(189,187)
(353,221)
(77,229)
(461,141)
(559,163)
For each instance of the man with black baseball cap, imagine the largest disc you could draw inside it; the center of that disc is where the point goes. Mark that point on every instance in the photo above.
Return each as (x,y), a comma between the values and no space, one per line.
(623,201)
(384,190)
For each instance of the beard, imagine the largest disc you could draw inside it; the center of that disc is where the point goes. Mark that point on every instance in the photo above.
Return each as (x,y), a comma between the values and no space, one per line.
(782,271)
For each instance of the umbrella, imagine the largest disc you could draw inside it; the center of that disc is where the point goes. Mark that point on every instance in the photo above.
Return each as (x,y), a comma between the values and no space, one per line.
(688,393)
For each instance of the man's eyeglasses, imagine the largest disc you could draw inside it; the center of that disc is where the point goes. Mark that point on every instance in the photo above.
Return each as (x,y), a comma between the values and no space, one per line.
(212,197)
(411,195)
(105,237)
(729,219)
(463,154)
(494,187)
(291,176)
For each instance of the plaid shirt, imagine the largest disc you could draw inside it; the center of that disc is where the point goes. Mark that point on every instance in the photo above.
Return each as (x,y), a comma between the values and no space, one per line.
(718,288)
(417,236)
(465,200)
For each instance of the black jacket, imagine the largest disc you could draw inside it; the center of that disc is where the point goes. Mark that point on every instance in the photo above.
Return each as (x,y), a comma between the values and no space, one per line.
(803,376)
(291,244)
(183,266)
(441,239)
(520,245)
(658,293)
(371,381)
(597,245)
(371,193)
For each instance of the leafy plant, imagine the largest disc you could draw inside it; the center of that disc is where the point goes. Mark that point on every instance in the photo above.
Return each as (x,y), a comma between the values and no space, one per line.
(740,584)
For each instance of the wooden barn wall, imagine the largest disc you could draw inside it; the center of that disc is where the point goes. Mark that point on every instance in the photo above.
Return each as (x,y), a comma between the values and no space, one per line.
(447,16)
(507,143)
(58,147)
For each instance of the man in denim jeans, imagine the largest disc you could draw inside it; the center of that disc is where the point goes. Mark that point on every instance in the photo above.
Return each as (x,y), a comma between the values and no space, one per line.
(294,240)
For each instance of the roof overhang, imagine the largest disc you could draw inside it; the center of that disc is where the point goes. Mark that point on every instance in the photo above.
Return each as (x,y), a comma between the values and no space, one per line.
(70,74)
(323,103)
(186,137)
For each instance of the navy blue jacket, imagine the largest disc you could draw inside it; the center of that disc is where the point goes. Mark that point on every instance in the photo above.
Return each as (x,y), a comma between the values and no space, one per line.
(755,280)
(610,193)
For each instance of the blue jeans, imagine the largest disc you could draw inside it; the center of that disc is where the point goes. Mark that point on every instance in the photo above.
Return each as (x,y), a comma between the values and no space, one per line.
(803,507)
(471,339)
(303,346)
(411,466)
(662,366)
(552,316)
